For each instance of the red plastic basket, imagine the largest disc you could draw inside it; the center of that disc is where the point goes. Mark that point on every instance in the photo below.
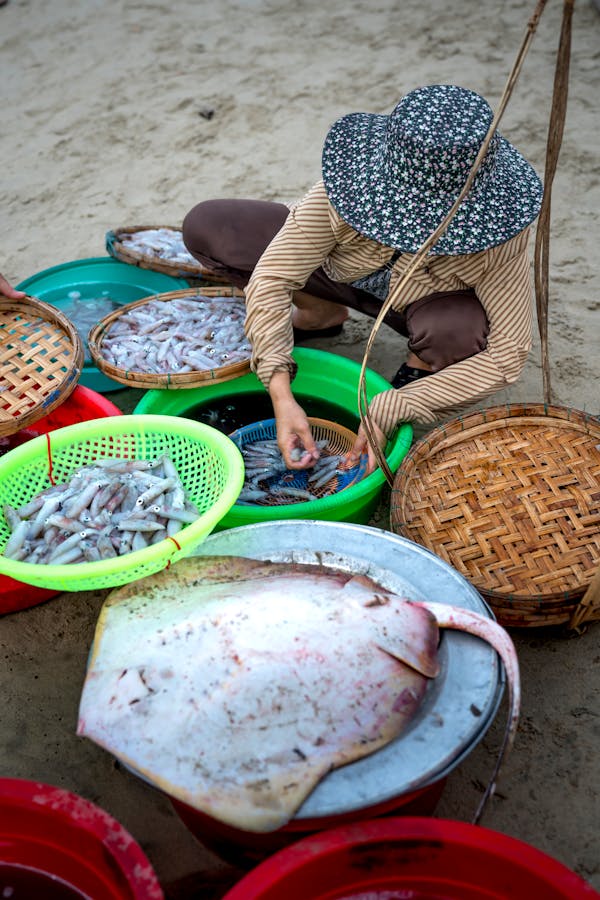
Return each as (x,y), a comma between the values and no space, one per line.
(425,859)
(55,844)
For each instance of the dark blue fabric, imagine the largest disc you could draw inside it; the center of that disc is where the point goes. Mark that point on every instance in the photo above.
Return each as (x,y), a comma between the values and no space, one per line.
(378,282)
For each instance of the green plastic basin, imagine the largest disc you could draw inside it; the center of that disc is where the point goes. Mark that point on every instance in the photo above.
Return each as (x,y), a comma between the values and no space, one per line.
(91,277)
(321,375)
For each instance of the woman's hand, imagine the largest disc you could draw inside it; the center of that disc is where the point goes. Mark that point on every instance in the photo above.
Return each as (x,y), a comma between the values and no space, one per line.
(8,291)
(362,445)
(295,439)
(294,436)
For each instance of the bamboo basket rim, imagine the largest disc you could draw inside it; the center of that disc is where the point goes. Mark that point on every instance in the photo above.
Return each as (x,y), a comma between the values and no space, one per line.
(463,519)
(171,380)
(119,250)
(42,367)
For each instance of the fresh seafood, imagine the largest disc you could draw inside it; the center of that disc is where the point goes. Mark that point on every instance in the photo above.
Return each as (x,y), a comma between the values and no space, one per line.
(85,312)
(163,243)
(235,685)
(181,335)
(107,509)
(269,482)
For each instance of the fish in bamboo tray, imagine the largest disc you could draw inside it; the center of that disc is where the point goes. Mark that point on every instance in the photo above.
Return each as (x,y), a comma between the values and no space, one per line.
(162,243)
(181,335)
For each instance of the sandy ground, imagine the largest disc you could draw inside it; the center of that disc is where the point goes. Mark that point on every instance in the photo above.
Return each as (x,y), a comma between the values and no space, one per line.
(119,113)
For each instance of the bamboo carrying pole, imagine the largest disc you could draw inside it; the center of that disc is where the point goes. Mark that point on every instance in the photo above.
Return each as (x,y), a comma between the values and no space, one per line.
(435,235)
(542,238)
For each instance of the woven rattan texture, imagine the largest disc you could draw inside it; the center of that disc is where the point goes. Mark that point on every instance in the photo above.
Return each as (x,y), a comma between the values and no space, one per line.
(41,355)
(511,498)
(119,247)
(133,378)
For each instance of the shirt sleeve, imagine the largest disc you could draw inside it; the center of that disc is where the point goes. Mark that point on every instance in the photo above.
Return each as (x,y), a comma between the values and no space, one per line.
(504,290)
(302,244)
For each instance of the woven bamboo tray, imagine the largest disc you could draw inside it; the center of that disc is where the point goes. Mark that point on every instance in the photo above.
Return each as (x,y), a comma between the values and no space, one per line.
(164,380)
(41,355)
(117,246)
(509,496)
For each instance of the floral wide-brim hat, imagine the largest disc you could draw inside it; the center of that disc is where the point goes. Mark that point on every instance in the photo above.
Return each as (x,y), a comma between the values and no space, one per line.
(394,178)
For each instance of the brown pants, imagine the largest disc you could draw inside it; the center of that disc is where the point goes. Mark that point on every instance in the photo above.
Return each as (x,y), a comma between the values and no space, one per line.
(229,236)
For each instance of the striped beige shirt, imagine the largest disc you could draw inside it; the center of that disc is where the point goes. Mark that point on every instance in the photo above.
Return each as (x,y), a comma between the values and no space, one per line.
(314,235)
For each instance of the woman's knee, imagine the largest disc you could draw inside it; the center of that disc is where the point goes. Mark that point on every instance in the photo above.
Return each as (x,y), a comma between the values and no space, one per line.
(233,233)
(447,327)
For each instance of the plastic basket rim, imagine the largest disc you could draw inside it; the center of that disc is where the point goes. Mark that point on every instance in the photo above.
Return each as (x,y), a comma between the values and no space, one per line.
(86,575)
(81,263)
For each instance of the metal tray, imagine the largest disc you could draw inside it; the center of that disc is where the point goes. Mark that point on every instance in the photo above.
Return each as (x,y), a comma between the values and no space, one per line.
(460,704)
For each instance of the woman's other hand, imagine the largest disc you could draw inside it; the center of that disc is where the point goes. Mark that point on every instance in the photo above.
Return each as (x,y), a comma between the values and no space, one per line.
(8,290)
(362,445)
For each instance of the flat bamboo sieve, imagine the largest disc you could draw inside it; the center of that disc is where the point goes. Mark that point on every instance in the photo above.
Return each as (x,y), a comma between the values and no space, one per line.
(118,245)
(140,379)
(509,496)
(41,355)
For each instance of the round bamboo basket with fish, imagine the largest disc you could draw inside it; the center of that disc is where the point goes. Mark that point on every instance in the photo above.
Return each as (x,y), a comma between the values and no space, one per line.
(509,496)
(41,355)
(120,245)
(140,375)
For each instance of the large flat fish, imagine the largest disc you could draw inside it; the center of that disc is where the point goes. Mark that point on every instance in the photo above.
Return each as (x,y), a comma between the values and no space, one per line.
(235,685)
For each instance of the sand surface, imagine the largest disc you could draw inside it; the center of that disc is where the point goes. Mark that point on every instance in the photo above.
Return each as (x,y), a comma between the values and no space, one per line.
(117,114)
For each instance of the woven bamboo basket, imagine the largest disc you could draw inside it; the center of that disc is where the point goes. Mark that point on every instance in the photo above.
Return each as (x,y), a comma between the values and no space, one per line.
(509,496)
(117,245)
(166,381)
(41,355)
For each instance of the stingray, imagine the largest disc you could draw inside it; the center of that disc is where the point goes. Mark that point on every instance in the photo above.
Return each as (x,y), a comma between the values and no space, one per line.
(236,685)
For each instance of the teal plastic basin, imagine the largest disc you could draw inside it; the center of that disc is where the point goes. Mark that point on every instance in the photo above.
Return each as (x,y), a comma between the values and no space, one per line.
(91,277)
(321,375)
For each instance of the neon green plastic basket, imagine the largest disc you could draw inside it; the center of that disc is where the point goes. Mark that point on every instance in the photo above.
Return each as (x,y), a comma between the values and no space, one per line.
(209,465)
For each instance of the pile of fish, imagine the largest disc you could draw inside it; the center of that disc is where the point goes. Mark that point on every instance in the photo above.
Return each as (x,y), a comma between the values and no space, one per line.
(268,481)
(163,243)
(107,509)
(185,334)
(86,312)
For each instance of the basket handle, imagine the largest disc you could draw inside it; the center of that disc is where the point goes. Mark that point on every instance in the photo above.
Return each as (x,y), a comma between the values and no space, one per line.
(542,238)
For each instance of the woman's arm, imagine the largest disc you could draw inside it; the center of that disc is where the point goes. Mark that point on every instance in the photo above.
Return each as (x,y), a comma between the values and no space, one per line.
(299,248)
(9,291)
(504,290)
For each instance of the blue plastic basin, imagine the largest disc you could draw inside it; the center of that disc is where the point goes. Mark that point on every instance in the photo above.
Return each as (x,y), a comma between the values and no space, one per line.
(91,278)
